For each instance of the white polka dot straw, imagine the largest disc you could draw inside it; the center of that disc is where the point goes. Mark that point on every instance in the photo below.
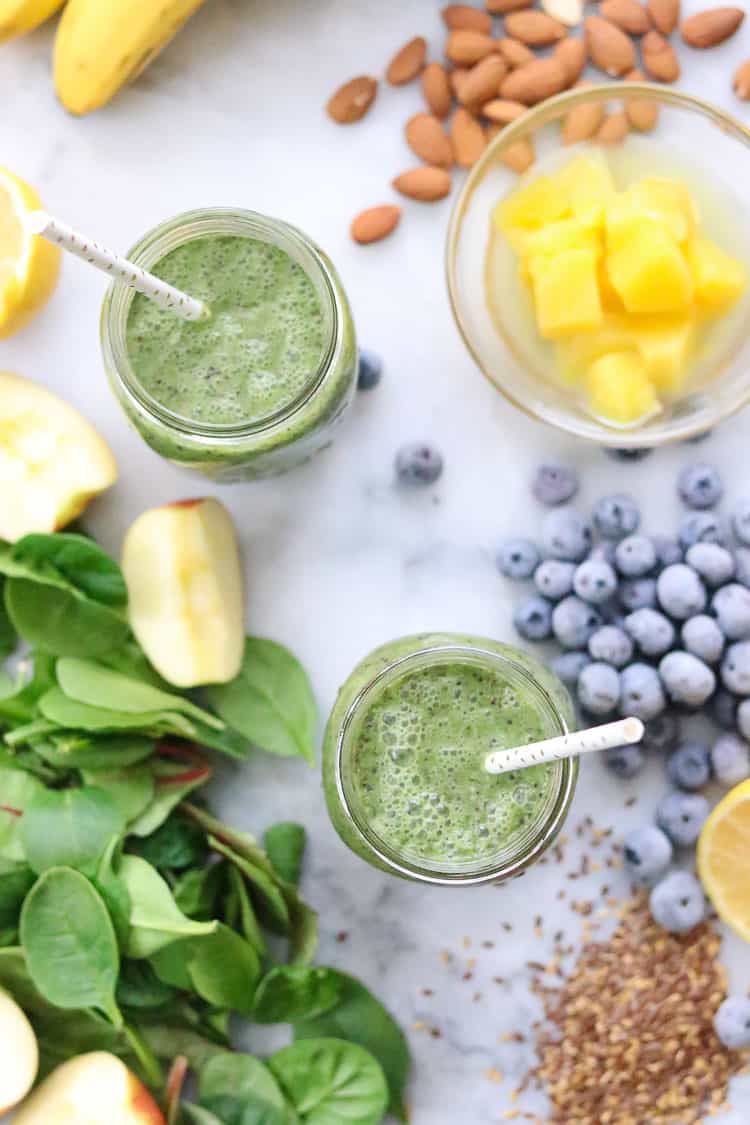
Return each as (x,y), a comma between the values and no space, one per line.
(164,295)
(571,745)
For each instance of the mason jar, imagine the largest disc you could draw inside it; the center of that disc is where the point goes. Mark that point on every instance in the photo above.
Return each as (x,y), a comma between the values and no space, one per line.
(266,443)
(404,747)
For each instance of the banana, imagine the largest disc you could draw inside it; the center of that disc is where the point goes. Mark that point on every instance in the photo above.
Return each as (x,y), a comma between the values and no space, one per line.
(19,16)
(103,44)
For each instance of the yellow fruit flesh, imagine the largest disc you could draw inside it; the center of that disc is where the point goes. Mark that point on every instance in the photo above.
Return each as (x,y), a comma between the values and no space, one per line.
(718,279)
(619,388)
(650,273)
(722,858)
(566,295)
(29,266)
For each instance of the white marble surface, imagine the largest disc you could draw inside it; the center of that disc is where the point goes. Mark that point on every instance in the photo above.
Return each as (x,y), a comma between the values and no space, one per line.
(338,560)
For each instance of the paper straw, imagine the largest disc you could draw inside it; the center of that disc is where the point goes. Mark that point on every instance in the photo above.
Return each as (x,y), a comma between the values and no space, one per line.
(158,291)
(566,746)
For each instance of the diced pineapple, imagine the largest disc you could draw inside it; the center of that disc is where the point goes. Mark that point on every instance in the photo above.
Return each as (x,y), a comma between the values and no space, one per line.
(650,273)
(531,207)
(718,278)
(588,185)
(619,389)
(623,219)
(665,344)
(669,201)
(566,294)
(576,353)
(610,298)
(565,234)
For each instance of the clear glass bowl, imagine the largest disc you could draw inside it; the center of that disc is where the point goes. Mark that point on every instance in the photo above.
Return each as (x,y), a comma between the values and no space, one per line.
(695,141)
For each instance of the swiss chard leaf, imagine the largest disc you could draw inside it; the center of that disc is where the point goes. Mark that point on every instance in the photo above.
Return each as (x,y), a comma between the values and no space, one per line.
(242,1091)
(285,847)
(62,621)
(69,828)
(331,1082)
(155,918)
(291,993)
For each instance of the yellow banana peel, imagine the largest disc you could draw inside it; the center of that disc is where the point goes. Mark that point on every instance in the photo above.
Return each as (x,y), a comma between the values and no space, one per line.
(103,44)
(19,16)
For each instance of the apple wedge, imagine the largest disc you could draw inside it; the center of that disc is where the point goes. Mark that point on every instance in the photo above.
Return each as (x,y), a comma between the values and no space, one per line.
(52,461)
(19,1057)
(185,587)
(90,1090)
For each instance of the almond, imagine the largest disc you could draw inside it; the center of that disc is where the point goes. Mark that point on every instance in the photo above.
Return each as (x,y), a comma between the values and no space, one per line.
(569,12)
(515,53)
(459,16)
(437,89)
(609,48)
(582,122)
(425,183)
(457,77)
(535,29)
(571,54)
(467,135)
(519,156)
(352,100)
(665,14)
(659,58)
(614,129)
(467,47)
(483,81)
(502,112)
(375,223)
(741,84)
(642,113)
(426,138)
(408,62)
(534,82)
(628,15)
(714,25)
(501,7)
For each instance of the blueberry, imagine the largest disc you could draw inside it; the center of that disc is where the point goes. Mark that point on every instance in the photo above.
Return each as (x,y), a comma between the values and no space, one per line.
(730,760)
(724,708)
(661,733)
(677,902)
(689,766)
(681,816)
(533,619)
(647,852)
(604,551)
(732,1022)
(627,454)
(370,369)
(702,636)
(517,558)
(641,693)
(599,688)
(573,622)
(567,535)
(668,551)
(731,604)
(700,486)
(569,665)
(624,761)
(638,593)
(686,678)
(594,581)
(635,556)
(713,562)
(735,668)
(742,565)
(555,484)
(554,578)
(612,645)
(418,464)
(616,516)
(742,718)
(611,613)
(651,631)
(741,522)
(680,592)
(701,527)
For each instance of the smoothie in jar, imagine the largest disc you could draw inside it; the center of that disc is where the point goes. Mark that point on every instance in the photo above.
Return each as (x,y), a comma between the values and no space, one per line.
(404,754)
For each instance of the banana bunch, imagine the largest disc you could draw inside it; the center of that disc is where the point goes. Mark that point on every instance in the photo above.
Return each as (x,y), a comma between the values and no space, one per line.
(101,45)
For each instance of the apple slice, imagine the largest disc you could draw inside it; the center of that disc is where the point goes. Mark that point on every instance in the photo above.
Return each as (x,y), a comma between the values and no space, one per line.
(52,461)
(186,596)
(19,1057)
(90,1090)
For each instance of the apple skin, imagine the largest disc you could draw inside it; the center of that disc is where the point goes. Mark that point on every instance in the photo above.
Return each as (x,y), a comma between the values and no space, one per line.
(19,1058)
(91,1089)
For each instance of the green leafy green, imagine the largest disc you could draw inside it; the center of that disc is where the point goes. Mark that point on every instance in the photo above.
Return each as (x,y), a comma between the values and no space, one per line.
(241,1090)
(37,675)
(114,892)
(247,921)
(58,708)
(61,621)
(17,790)
(155,918)
(172,786)
(16,880)
(289,993)
(285,847)
(197,891)
(130,788)
(139,987)
(8,638)
(331,1082)
(69,828)
(264,887)
(224,969)
(70,560)
(175,845)
(78,751)
(200,1116)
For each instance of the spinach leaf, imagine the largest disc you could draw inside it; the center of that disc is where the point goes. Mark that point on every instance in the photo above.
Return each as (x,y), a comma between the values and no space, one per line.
(247,921)
(114,892)
(224,969)
(285,847)
(69,828)
(171,966)
(16,880)
(167,1040)
(8,638)
(155,918)
(139,987)
(226,741)
(331,1082)
(78,751)
(264,887)
(17,790)
(172,785)
(131,660)
(70,944)
(131,788)
(360,1018)
(241,1090)
(270,702)
(73,560)
(62,621)
(289,993)
(200,1116)
(176,845)
(197,891)
(59,708)
(37,676)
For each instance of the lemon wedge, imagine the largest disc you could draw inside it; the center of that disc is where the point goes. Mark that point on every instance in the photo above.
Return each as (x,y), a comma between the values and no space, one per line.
(723,864)
(29,266)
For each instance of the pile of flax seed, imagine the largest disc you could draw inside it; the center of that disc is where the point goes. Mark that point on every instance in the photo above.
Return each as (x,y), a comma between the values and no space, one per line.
(628,1037)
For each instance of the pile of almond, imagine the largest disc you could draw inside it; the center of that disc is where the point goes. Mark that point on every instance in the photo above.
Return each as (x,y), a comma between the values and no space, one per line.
(491,74)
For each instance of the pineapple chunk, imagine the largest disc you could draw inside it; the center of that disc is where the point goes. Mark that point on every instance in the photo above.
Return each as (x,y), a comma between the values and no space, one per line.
(565,234)
(566,294)
(623,220)
(665,344)
(718,278)
(650,273)
(587,183)
(531,207)
(619,389)
(577,353)
(670,202)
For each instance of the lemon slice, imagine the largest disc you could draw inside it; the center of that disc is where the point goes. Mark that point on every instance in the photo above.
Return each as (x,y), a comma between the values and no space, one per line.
(29,266)
(723,851)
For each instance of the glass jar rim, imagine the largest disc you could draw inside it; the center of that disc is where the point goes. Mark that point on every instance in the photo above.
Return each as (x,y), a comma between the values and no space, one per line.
(183,228)
(491,870)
